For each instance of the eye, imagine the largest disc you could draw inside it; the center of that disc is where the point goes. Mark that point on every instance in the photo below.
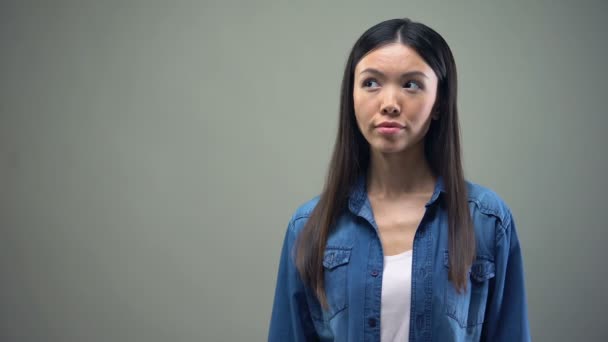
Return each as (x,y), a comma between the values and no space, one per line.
(413,85)
(370,83)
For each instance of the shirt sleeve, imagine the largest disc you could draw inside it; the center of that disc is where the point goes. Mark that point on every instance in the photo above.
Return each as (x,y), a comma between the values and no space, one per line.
(507,318)
(290,319)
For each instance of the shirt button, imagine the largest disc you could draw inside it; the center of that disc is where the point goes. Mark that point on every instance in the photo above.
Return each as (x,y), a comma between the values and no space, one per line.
(374,273)
(372,322)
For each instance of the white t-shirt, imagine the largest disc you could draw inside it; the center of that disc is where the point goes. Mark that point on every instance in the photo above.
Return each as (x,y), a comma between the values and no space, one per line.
(396,297)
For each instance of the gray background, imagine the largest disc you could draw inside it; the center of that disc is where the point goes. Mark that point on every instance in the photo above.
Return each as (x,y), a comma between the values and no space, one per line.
(152,153)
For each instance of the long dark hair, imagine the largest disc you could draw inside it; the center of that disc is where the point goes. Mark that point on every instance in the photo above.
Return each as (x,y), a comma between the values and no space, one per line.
(350,158)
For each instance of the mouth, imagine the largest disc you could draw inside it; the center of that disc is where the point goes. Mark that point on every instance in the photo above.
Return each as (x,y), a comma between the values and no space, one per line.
(389,130)
(390,124)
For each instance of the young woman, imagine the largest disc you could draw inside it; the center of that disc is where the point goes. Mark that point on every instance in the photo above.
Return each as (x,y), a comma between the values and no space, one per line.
(399,246)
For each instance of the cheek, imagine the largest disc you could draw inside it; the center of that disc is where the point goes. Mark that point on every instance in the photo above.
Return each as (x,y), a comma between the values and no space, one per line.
(363,105)
(420,111)
(361,109)
(360,120)
(356,101)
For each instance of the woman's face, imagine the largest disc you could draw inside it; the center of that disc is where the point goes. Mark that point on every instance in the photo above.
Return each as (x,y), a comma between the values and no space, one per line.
(394,86)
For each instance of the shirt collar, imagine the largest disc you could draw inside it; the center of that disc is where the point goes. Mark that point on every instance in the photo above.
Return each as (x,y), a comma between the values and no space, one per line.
(358,202)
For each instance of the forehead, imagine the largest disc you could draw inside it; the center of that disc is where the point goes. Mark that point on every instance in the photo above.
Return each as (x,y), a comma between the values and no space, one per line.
(394,58)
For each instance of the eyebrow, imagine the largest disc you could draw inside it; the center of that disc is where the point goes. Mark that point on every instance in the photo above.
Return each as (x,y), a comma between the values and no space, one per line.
(407,74)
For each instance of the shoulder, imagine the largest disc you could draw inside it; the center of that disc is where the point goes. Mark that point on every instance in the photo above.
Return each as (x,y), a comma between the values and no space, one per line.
(484,201)
(302,213)
(305,209)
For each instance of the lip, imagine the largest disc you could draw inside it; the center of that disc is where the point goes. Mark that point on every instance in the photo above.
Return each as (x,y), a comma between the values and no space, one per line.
(389,130)
(390,125)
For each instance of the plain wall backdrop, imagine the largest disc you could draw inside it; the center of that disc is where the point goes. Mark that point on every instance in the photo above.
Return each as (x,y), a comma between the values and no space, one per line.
(152,153)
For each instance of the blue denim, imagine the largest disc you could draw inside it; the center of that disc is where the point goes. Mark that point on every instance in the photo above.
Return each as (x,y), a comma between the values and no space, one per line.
(492,308)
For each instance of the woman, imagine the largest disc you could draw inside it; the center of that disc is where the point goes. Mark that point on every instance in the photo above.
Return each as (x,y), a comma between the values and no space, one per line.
(399,246)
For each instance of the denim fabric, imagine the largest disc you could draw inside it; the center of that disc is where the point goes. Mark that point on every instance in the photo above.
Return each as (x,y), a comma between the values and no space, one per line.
(492,308)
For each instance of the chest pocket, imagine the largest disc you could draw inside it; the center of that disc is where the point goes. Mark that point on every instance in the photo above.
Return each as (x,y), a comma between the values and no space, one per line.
(468,307)
(335,266)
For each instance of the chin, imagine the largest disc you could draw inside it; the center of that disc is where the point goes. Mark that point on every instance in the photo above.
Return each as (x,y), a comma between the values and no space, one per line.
(386,148)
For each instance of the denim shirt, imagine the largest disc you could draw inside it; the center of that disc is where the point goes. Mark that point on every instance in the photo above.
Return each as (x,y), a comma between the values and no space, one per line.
(492,308)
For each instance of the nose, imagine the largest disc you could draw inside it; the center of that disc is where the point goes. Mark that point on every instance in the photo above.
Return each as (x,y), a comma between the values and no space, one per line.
(391,109)
(390,103)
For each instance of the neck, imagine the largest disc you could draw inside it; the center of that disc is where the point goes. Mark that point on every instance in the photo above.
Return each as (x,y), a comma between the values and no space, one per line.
(393,175)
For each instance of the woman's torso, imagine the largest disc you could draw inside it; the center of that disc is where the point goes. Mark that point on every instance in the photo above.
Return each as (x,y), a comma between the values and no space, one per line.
(353,266)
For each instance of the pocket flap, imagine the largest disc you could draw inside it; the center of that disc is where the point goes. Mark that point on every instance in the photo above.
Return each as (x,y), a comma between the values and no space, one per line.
(335,257)
(482,270)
